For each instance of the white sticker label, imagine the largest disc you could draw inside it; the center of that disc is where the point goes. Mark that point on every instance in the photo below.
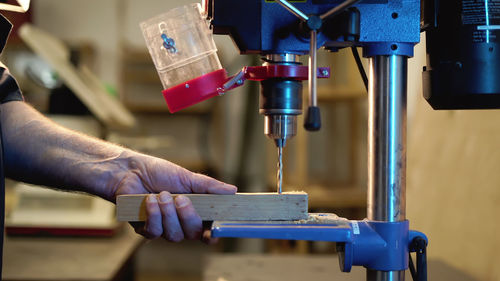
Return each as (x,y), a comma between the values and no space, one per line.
(488,27)
(355,227)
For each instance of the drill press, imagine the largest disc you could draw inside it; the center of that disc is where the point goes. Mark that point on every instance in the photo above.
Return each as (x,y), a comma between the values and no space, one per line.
(461,73)
(280,32)
(387,31)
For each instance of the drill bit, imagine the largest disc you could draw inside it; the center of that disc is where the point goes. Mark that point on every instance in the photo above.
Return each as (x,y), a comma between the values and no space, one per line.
(279,175)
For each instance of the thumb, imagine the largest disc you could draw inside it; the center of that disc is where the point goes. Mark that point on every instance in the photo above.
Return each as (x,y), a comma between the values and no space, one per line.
(198,183)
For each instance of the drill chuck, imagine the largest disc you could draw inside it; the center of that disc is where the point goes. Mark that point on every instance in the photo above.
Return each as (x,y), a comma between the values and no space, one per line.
(280,103)
(280,127)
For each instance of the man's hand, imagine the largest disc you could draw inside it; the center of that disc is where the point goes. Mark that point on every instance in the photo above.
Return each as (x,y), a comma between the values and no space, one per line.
(174,220)
(41,152)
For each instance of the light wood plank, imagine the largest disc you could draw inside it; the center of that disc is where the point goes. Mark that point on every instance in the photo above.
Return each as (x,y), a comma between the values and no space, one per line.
(240,206)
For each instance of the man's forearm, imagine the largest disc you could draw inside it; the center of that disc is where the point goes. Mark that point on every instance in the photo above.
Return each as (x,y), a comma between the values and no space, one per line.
(42,152)
(38,151)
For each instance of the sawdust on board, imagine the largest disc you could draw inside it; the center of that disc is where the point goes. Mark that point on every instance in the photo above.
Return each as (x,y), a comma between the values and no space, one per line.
(321,218)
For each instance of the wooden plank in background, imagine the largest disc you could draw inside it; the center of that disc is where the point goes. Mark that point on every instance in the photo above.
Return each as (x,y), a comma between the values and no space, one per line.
(83,83)
(240,206)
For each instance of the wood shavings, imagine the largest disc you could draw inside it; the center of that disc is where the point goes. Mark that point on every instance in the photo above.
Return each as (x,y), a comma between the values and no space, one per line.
(322,218)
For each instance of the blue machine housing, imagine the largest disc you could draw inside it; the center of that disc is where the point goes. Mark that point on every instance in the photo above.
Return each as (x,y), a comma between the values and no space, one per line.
(374,245)
(264,27)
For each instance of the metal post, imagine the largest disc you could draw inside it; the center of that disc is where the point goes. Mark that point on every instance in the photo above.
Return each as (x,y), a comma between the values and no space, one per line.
(387,146)
(313,74)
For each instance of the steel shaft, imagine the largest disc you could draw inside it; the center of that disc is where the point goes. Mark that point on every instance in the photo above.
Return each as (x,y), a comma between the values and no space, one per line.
(279,176)
(387,146)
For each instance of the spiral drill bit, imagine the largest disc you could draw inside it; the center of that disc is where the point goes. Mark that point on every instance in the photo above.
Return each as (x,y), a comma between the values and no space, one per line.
(279,175)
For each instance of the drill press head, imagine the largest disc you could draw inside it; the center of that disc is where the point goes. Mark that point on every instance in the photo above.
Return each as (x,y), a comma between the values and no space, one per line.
(280,101)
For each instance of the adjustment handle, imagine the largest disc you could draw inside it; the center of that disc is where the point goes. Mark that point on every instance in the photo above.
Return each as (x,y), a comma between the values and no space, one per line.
(312,121)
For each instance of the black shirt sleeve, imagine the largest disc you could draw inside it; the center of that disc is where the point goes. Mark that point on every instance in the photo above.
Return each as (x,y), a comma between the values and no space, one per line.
(9,89)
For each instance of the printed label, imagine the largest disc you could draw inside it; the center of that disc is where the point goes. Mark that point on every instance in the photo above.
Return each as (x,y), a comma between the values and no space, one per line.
(355,227)
(484,16)
(480,12)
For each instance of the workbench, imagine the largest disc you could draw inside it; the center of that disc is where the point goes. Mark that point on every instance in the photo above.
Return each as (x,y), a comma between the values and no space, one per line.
(71,258)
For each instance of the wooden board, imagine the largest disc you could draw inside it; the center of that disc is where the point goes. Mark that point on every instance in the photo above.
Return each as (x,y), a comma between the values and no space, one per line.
(240,206)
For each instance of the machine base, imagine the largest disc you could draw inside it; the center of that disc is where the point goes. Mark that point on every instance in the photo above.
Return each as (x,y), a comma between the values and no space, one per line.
(372,244)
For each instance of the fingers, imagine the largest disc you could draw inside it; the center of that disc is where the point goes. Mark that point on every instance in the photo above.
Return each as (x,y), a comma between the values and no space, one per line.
(207,237)
(160,175)
(161,219)
(173,220)
(172,230)
(190,220)
(153,226)
(199,183)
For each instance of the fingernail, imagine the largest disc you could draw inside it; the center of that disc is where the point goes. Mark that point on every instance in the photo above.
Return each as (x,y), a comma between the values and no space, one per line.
(152,198)
(181,201)
(165,197)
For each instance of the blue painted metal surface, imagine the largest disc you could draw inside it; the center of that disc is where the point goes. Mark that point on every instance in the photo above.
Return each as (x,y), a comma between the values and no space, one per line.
(414,234)
(318,229)
(374,245)
(387,49)
(395,21)
(264,27)
(392,256)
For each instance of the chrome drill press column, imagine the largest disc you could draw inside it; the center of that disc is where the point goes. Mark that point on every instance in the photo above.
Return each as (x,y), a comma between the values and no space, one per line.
(387,146)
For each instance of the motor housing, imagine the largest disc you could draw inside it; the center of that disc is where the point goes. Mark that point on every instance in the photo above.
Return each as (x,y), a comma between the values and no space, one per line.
(463,54)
